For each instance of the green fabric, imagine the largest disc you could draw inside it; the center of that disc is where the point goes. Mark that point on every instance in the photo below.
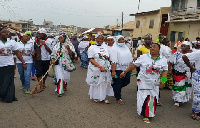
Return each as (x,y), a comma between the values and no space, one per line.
(151,104)
(188,85)
(179,88)
(4,42)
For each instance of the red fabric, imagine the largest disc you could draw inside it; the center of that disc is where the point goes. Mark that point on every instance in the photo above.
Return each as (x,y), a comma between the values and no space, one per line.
(58,88)
(63,84)
(147,108)
(178,78)
(154,105)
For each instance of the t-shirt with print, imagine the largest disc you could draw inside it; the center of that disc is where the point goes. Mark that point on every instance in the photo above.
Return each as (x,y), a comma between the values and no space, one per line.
(26,51)
(6,49)
(150,70)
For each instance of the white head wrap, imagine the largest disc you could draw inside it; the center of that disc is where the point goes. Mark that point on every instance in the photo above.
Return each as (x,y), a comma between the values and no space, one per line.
(121,55)
(97,35)
(42,30)
(186,43)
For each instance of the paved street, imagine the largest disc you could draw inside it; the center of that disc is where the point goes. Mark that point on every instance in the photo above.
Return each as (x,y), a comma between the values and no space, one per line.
(75,110)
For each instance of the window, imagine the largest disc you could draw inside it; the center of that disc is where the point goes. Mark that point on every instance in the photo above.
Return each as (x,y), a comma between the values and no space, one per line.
(151,24)
(138,24)
(172,36)
(10,25)
(198,3)
(17,25)
(178,5)
(24,25)
(180,34)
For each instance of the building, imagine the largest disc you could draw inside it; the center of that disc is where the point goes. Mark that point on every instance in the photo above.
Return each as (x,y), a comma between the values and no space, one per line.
(184,20)
(48,24)
(22,26)
(127,29)
(152,22)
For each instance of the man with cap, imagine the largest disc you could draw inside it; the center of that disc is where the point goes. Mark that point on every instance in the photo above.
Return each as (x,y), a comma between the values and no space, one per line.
(42,51)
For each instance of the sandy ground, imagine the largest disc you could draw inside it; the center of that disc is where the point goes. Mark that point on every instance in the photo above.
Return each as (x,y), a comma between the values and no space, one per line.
(75,110)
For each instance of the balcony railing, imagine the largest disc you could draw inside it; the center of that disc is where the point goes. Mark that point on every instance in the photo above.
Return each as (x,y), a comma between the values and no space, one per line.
(188,13)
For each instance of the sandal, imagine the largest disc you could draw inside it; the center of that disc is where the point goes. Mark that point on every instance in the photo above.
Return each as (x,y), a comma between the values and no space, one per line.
(59,95)
(146,120)
(27,92)
(106,101)
(176,105)
(96,101)
(21,88)
(120,102)
(197,118)
(159,104)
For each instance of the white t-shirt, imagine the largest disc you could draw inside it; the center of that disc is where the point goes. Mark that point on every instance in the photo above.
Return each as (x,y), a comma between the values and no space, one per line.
(150,70)
(6,56)
(26,51)
(45,55)
(195,56)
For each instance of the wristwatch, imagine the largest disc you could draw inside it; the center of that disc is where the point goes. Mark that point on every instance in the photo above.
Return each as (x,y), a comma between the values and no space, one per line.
(124,72)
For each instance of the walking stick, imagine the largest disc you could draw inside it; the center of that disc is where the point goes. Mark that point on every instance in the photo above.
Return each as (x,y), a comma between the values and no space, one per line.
(34,91)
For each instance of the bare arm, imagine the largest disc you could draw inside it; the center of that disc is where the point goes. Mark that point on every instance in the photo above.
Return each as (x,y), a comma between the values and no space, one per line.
(113,70)
(187,62)
(130,68)
(169,68)
(139,53)
(19,56)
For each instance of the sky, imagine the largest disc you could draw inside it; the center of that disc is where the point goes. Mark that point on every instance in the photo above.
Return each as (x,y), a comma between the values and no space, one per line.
(82,13)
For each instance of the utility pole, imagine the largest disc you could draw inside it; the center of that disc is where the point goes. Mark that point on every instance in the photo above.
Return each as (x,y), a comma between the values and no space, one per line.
(122,19)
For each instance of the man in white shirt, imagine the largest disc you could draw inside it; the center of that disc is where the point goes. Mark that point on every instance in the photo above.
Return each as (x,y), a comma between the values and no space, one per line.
(42,51)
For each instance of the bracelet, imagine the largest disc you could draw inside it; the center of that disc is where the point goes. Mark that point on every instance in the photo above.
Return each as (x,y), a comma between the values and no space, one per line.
(100,68)
(163,79)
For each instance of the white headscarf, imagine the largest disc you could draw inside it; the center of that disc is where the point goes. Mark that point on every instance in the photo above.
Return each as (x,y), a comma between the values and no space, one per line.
(187,43)
(121,55)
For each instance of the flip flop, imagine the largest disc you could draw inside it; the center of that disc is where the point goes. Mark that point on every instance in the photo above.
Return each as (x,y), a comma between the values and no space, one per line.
(21,88)
(27,92)
(146,120)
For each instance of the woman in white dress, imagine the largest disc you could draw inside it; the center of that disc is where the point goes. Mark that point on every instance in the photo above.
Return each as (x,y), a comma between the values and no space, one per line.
(98,75)
(182,87)
(64,64)
(152,65)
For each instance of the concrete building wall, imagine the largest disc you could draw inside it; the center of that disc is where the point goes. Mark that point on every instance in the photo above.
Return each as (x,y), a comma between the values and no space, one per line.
(191,3)
(144,26)
(190,30)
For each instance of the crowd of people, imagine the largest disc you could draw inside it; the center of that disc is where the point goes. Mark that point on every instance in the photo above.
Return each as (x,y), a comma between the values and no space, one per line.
(109,63)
